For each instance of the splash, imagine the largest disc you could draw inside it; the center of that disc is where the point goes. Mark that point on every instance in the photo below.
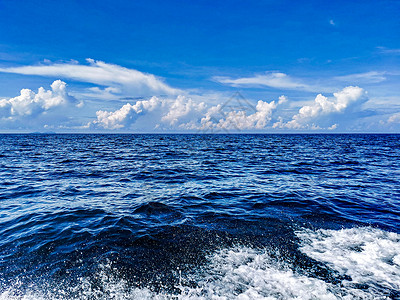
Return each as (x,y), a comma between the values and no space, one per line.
(370,257)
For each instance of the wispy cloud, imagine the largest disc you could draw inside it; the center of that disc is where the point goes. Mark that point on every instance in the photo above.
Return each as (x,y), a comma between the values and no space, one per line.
(385,50)
(395,118)
(270,79)
(367,77)
(97,72)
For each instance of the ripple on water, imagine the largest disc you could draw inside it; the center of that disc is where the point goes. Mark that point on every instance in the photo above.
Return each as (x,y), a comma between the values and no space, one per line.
(199,216)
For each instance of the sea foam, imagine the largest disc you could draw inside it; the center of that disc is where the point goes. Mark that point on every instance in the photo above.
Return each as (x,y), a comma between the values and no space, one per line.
(368,255)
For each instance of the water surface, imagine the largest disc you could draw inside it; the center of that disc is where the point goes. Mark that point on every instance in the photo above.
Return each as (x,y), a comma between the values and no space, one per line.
(199,216)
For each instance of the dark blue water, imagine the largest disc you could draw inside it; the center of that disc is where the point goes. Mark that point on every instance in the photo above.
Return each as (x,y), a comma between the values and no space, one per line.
(199,216)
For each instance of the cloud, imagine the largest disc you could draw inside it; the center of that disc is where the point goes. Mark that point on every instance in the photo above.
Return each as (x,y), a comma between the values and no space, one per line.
(212,112)
(333,127)
(45,109)
(323,108)
(183,108)
(275,80)
(126,115)
(385,50)
(367,77)
(183,113)
(120,79)
(107,93)
(239,119)
(171,112)
(235,113)
(332,22)
(282,99)
(395,118)
(29,103)
(270,79)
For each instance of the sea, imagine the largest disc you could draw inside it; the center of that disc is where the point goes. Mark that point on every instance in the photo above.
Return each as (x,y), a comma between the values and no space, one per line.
(201,216)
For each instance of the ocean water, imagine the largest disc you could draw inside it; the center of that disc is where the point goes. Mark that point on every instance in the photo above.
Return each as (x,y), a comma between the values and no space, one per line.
(199,216)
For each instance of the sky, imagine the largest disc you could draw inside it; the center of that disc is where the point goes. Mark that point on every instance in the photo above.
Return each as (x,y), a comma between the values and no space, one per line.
(263,66)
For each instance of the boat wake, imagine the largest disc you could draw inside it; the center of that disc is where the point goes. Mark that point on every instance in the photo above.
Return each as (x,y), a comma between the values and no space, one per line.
(364,262)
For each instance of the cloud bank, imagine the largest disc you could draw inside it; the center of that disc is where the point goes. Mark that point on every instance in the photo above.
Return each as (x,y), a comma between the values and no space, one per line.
(183,113)
(176,110)
(54,108)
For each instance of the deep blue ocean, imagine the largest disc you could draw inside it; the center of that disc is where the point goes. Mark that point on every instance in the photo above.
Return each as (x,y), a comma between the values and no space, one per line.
(199,216)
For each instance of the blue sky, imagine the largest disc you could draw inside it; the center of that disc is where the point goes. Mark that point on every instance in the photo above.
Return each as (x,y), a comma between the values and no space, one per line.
(183,66)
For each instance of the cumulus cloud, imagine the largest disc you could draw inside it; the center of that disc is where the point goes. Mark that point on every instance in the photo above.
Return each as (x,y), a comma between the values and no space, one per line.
(269,79)
(166,111)
(187,114)
(29,103)
(217,118)
(116,78)
(282,99)
(126,115)
(183,108)
(322,108)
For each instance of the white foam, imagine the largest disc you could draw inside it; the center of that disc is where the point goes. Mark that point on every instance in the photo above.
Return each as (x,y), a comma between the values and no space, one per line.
(368,255)
(245,273)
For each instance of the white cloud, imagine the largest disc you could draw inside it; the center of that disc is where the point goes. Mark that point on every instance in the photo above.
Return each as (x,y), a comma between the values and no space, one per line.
(367,77)
(282,99)
(333,127)
(216,118)
(184,113)
(395,118)
(97,72)
(212,112)
(107,93)
(270,79)
(332,22)
(385,50)
(171,112)
(183,108)
(29,103)
(258,120)
(126,115)
(322,107)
